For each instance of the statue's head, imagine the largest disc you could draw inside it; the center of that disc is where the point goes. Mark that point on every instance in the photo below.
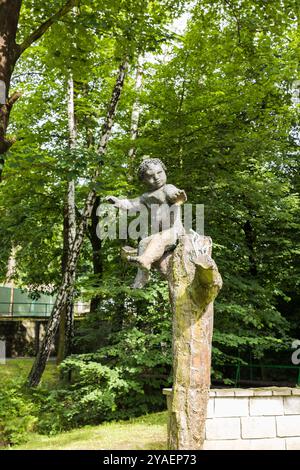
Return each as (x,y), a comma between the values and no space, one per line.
(152,172)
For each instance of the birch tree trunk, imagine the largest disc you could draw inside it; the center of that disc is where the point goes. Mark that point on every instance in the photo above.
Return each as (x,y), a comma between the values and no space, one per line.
(66,326)
(9,281)
(96,244)
(136,108)
(69,275)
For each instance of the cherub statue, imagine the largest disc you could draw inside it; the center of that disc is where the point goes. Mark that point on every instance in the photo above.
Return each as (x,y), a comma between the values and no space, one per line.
(163,200)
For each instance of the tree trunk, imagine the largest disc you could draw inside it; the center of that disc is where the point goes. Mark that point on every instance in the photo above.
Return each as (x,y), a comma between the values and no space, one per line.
(194,282)
(97,254)
(9,17)
(66,328)
(66,324)
(69,275)
(136,109)
(9,281)
(61,300)
(250,241)
(10,52)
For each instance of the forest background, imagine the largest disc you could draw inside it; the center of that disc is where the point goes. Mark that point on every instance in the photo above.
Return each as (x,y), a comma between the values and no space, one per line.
(210,87)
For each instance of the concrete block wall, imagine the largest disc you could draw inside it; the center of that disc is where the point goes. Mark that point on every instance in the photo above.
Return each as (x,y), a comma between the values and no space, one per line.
(252,419)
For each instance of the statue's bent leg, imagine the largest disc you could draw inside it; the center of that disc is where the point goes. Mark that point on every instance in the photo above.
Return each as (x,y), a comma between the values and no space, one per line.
(156,247)
(142,276)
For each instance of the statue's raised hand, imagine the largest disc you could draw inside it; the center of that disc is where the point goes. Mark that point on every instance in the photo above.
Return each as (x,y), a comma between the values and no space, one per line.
(177,196)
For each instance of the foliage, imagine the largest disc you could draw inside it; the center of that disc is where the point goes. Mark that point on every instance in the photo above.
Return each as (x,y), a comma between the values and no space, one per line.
(227,90)
(18,414)
(218,107)
(21,408)
(126,375)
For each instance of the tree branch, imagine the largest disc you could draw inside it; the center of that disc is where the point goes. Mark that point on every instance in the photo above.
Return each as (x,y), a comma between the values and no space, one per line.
(13,98)
(237,19)
(40,31)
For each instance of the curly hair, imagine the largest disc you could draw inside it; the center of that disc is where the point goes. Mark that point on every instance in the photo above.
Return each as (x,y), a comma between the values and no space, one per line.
(145,165)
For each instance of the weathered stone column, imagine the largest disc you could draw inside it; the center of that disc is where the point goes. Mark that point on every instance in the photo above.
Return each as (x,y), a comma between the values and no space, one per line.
(194,282)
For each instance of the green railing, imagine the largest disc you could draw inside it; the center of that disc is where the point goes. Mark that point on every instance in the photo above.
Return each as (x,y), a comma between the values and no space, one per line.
(11,310)
(263,366)
(25,309)
(14,302)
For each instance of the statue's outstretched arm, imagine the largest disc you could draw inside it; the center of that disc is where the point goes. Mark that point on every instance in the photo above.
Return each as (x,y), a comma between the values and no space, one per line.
(124,204)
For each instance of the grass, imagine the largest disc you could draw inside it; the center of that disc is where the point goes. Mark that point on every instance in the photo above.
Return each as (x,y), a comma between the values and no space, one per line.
(144,433)
(21,367)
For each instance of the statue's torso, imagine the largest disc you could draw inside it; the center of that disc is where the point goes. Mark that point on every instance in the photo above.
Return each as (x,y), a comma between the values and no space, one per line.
(164,214)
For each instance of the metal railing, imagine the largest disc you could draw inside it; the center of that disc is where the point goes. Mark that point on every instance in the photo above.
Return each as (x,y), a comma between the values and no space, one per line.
(35,310)
(251,367)
(25,309)
(270,366)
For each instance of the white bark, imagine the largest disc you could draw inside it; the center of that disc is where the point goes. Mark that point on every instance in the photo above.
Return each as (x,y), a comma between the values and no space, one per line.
(136,108)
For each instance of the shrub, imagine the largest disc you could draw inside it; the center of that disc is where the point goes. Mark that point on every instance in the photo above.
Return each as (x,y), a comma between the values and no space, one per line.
(18,413)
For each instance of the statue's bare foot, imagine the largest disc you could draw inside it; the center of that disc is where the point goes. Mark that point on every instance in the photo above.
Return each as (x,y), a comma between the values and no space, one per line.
(127,251)
(139,262)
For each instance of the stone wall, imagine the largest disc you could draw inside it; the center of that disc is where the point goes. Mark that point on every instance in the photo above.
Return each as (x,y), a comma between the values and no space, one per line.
(252,419)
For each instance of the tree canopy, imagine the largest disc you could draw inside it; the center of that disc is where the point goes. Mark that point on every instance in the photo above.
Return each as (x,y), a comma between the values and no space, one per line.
(218,105)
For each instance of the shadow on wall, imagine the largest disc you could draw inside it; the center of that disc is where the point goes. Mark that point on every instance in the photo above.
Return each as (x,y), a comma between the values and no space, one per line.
(22,337)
